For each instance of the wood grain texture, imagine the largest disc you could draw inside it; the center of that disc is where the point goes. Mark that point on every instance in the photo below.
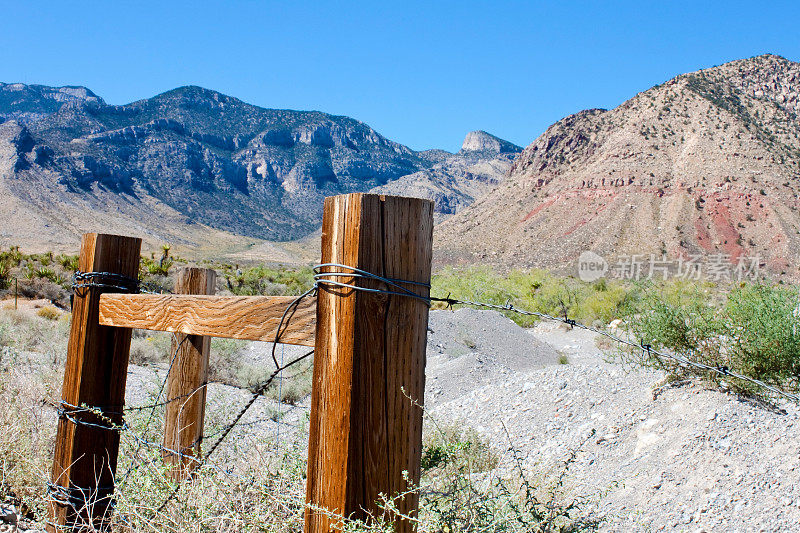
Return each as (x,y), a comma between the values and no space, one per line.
(186,384)
(254,318)
(96,371)
(369,360)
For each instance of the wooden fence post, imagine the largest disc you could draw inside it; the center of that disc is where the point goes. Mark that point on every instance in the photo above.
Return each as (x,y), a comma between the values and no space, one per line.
(186,384)
(365,432)
(85,457)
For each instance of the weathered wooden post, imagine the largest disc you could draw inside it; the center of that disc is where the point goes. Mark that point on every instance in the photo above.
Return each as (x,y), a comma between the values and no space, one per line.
(96,370)
(369,362)
(186,384)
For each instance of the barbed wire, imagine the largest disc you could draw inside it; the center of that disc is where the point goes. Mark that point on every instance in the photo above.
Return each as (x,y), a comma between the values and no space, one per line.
(326,275)
(158,397)
(112,418)
(396,288)
(646,348)
(259,390)
(104,281)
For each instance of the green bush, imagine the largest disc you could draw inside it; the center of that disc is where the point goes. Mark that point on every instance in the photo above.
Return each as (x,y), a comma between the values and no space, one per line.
(534,290)
(49,313)
(762,331)
(463,490)
(12,258)
(455,446)
(156,267)
(5,276)
(263,280)
(47,273)
(68,262)
(753,330)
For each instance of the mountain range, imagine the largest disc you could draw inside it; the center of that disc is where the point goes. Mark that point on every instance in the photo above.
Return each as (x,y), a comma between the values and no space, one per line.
(193,165)
(706,164)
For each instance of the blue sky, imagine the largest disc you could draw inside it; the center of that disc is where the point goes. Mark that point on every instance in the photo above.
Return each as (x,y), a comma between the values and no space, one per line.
(421,73)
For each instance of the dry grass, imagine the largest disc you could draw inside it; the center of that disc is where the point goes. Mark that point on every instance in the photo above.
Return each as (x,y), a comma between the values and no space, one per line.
(49,312)
(250,484)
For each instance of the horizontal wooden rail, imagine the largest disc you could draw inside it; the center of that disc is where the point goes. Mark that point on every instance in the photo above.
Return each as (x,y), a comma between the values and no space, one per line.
(254,318)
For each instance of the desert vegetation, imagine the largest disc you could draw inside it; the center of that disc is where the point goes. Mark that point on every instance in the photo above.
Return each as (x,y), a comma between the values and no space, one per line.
(752,329)
(467,484)
(535,290)
(749,328)
(464,486)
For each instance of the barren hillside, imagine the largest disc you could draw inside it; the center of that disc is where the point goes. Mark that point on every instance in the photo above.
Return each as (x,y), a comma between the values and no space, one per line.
(707,164)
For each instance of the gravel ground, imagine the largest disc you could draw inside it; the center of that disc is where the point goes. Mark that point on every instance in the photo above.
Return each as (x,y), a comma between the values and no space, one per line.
(686,459)
(689,460)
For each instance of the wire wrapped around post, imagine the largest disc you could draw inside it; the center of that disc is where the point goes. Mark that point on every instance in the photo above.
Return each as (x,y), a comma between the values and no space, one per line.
(93,394)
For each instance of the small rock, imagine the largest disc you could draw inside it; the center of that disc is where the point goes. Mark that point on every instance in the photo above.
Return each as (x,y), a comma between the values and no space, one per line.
(8,513)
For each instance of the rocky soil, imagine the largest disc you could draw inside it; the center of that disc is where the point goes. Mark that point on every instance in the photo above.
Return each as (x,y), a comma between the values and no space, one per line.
(649,456)
(682,459)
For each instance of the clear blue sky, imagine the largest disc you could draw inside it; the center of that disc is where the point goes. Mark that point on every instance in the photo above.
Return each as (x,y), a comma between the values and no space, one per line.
(421,73)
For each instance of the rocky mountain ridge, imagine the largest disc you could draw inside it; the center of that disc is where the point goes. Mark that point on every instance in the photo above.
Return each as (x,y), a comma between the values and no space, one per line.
(207,159)
(706,164)
(457,180)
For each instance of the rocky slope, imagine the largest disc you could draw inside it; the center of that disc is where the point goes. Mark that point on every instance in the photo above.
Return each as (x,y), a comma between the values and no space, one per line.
(191,159)
(707,163)
(648,456)
(456,180)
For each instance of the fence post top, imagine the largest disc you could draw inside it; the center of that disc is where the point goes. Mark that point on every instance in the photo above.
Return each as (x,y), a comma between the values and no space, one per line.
(95,235)
(380,197)
(196,269)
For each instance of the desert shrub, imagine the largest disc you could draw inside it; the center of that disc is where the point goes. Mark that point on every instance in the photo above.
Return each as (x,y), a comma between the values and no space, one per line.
(252,484)
(159,283)
(27,432)
(39,276)
(38,288)
(44,272)
(150,347)
(605,302)
(753,330)
(5,276)
(12,257)
(295,383)
(678,315)
(49,313)
(462,489)
(762,333)
(533,290)
(459,446)
(25,333)
(68,262)
(267,281)
(43,259)
(156,267)
(290,387)
(225,365)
